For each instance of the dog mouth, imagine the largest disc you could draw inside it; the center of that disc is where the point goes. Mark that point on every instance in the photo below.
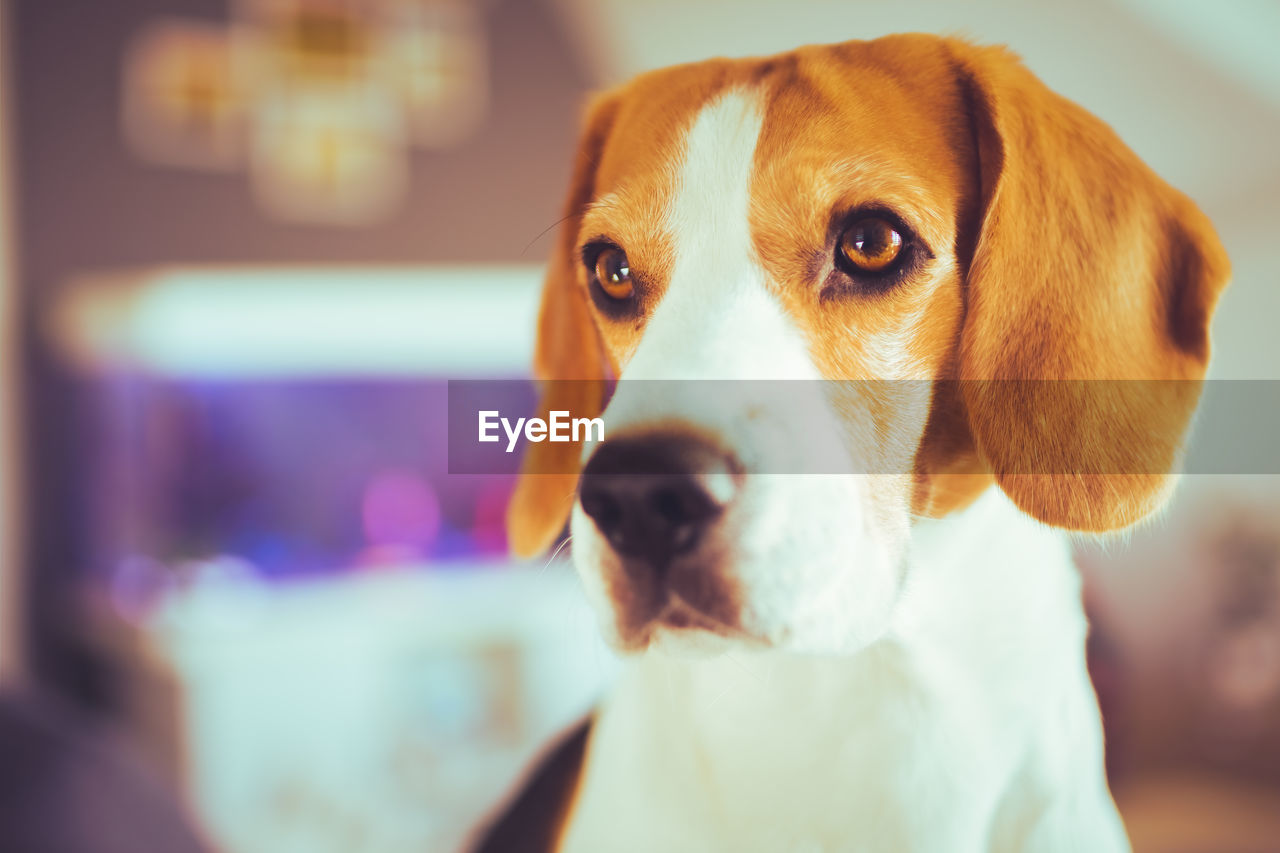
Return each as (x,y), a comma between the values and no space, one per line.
(679,614)
(671,619)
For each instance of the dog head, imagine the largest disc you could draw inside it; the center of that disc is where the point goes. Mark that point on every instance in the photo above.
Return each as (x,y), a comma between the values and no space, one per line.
(916,217)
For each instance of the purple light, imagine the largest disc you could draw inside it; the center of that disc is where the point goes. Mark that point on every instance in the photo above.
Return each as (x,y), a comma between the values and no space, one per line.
(490,527)
(400,511)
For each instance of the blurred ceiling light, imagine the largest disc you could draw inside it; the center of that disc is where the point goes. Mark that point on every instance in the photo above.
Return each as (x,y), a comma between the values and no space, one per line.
(323,97)
(312,40)
(184,99)
(328,155)
(435,57)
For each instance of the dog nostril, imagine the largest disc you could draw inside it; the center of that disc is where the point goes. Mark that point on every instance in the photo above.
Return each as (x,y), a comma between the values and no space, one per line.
(601,506)
(653,495)
(671,505)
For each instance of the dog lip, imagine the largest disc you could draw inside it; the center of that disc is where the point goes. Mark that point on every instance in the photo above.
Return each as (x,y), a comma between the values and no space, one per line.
(679,613)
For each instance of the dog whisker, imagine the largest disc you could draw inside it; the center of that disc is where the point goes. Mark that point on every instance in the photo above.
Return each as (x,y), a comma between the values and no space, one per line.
(543,233)
(556,553)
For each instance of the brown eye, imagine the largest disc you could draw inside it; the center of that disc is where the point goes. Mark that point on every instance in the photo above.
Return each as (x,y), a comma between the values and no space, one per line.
(870,245)
(613,271)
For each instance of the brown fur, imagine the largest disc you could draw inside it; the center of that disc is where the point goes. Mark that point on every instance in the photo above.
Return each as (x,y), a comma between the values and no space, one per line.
(1057,256)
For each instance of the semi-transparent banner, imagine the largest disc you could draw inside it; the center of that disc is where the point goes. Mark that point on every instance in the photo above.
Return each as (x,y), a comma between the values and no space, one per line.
(876,426)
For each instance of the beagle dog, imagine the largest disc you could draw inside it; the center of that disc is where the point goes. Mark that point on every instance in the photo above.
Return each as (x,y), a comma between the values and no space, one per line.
(944,259)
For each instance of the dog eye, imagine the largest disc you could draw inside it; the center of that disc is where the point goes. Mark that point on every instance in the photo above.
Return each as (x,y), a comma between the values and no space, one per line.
(870,245)
(613,272)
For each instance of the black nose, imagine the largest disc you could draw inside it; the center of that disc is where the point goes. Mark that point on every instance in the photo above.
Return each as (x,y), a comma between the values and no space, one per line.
(653,495)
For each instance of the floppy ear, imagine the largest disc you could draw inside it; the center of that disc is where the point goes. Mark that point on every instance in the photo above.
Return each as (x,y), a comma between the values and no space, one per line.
(568,348)
(1090,290)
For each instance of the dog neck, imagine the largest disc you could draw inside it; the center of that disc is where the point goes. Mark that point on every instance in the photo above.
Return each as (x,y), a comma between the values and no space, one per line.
(987,640)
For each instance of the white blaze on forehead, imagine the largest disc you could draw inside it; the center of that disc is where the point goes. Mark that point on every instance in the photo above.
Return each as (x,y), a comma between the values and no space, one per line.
(717,320)
(709,213)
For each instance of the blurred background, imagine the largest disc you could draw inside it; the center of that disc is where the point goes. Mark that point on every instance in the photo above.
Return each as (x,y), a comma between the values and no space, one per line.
(243,246)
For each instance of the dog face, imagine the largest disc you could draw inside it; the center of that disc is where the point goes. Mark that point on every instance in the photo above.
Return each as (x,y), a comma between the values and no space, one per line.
(910,211)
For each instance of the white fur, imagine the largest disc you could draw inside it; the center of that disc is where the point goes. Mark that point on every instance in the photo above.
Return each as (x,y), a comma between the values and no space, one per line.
(970,726)
(925,687)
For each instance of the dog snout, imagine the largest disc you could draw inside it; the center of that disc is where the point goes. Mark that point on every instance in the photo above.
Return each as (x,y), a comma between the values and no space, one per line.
(653,496)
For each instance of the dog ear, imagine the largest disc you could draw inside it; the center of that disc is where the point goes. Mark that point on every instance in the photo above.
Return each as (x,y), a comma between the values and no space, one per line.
(568,348)
(1089,296)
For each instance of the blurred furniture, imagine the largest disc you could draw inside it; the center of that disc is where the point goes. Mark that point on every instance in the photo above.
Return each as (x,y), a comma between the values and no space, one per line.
(383,711)
(310,621)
